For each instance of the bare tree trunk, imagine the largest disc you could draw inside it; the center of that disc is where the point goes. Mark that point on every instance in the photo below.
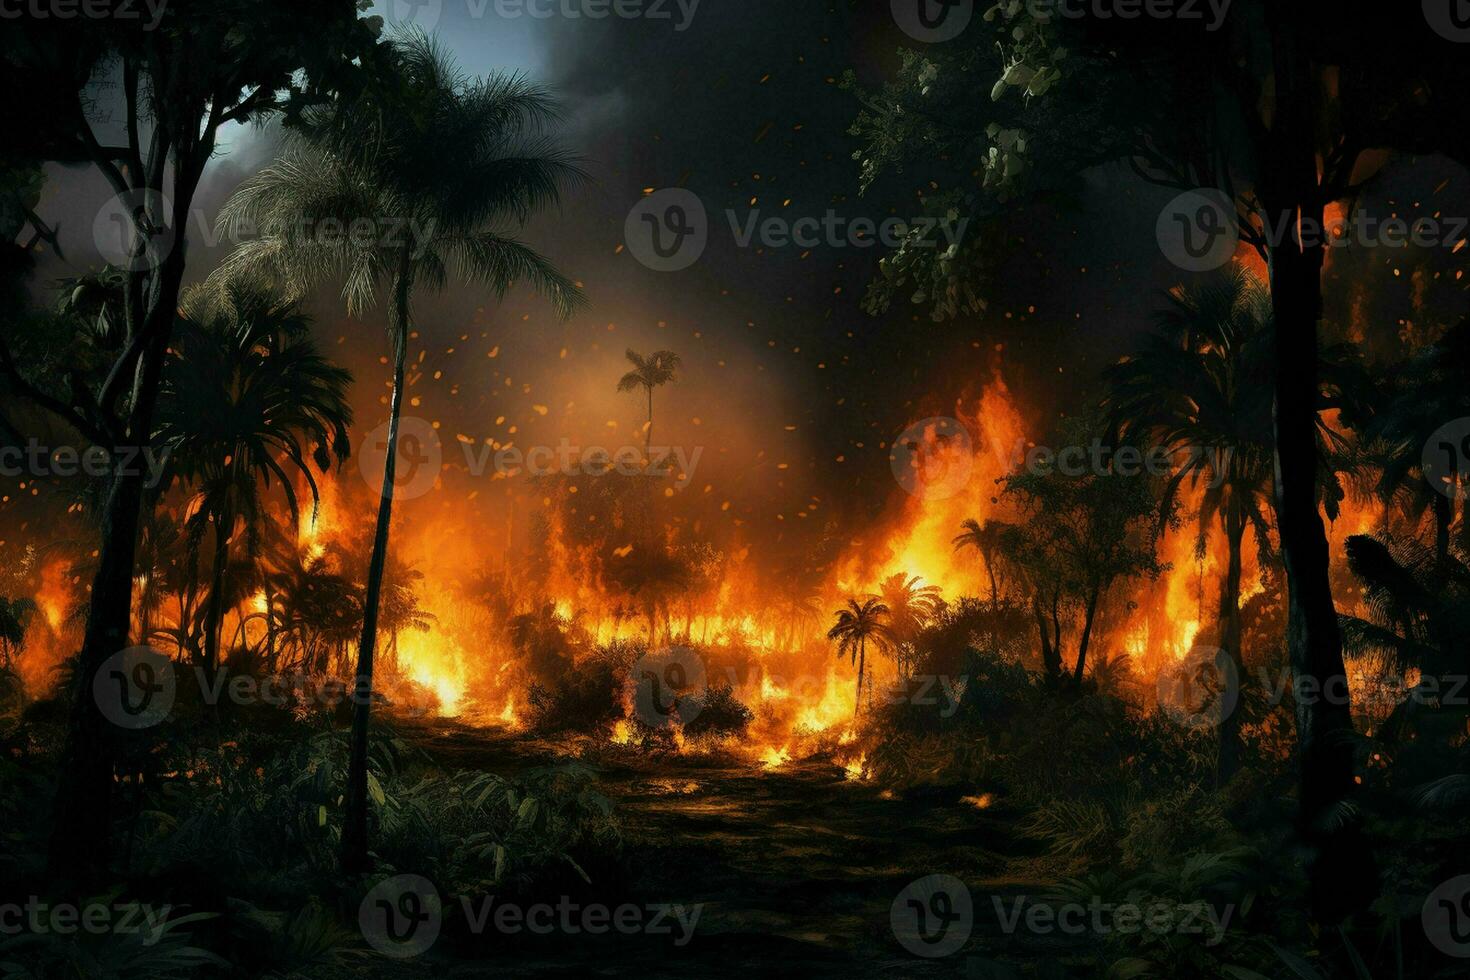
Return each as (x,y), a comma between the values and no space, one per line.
(354,857)
(1051,658)
(1339,865)
(1086,634)
(1230,634)
(80,845)
(214,613)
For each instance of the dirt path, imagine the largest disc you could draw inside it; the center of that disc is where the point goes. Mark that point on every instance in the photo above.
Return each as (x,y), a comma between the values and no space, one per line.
(795,868)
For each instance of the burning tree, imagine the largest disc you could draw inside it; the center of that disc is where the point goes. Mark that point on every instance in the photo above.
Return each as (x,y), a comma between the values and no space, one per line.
(175,92)
(432,162)
(246,395)
(1077,536)
(858,625)
(1200,390)
(1279,109)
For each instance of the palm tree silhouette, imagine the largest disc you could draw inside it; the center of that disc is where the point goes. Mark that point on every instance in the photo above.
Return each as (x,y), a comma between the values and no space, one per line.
(246,399)
(796,613)
(1201,390)
(911,607)
(858,625)
(986,539)
(438,163)
(649,373)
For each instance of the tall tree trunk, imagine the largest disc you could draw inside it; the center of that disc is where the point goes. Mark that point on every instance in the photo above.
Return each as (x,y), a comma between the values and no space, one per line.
(1086,634)
(215,612)
(1339,865)
(1230,634)
(1444,517)
(648,435)
(354,858)
(862,664)
(80,844)
(270,628)
(1051,658)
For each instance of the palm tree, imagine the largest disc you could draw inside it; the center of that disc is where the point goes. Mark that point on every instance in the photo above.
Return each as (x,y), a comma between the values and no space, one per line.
(649,373)
(436,163)
(911,607)
(1201,390)
(858,625)
(986,539)
(246,399)
(796,613)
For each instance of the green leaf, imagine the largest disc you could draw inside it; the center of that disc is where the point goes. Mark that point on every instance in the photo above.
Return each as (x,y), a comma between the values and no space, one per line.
(1295,963)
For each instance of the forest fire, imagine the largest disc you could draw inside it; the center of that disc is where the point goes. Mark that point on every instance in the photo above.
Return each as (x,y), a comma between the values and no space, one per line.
(868,488)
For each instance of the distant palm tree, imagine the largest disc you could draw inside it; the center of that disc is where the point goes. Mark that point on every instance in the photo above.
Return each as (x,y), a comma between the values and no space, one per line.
(649,373)
(986,539)
(911,607)
(434,162)
(797,612)
(858,625)
(246,400)
(401,609)
(1201,390)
